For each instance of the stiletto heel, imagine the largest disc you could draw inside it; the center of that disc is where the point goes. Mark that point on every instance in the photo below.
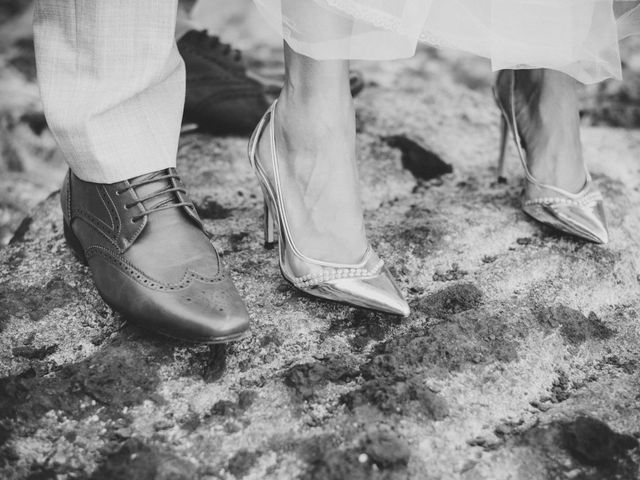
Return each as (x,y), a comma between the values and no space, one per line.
(503,149)
(580,214)
(367,284)
(269,227)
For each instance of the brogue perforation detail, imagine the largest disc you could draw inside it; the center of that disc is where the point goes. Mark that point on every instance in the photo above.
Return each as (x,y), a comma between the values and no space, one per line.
(112,233)
(98,223)
(68,209)
(146,281)
(81,214)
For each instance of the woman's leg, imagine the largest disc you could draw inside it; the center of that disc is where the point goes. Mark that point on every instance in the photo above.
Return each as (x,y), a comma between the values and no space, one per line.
(548,117)
(558,190)
(549,123)
(315,141)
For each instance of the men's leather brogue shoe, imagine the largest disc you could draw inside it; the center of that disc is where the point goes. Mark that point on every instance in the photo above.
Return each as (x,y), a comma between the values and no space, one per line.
(151,258)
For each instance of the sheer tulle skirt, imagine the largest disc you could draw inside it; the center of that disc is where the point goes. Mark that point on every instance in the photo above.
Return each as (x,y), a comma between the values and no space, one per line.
(578,37)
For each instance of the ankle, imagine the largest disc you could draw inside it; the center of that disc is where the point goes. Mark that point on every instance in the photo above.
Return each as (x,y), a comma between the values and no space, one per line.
(544,86)
(309,79)
(307,122)
(335,103)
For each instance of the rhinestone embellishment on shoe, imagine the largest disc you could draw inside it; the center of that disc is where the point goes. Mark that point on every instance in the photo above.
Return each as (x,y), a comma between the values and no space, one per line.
(328,274)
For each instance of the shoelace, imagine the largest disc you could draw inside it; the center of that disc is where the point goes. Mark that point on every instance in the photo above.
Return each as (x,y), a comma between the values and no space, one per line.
(165,204)
(213,42)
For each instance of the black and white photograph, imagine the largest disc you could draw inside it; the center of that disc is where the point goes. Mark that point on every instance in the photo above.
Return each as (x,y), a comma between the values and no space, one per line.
(320,239)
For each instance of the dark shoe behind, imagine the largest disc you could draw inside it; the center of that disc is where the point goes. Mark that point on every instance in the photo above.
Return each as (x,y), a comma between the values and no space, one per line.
(220,98)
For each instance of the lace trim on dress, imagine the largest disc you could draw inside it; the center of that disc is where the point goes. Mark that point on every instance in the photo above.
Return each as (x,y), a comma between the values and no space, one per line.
(432,39)
(367,14)
(383,20)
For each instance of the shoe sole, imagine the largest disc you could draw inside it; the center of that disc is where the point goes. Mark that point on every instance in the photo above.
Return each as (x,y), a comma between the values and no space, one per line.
(212,341)
(76,249)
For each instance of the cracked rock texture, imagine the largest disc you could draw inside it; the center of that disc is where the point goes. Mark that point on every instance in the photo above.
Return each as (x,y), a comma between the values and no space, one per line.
(520,360)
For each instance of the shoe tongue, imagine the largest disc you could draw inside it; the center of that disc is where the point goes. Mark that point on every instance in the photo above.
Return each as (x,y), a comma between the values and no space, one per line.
(157,182)
(170,234)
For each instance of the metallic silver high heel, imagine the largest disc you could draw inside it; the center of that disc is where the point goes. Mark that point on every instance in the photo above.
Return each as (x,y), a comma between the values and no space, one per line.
(580,214)
(367,284)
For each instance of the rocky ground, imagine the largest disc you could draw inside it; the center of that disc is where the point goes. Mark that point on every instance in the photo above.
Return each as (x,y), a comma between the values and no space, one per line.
(520,360)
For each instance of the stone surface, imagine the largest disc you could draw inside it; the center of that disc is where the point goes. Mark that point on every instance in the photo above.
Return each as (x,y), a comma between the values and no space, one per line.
(520,359)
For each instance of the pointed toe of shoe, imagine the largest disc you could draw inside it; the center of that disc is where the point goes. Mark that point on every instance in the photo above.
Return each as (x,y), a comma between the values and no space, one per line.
(585,221)
(209,313)
(203,312)
(588,222)
(378,292)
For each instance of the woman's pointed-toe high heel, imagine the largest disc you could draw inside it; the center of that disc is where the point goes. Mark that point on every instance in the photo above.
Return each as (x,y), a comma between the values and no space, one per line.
(367,284)
(580,214)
